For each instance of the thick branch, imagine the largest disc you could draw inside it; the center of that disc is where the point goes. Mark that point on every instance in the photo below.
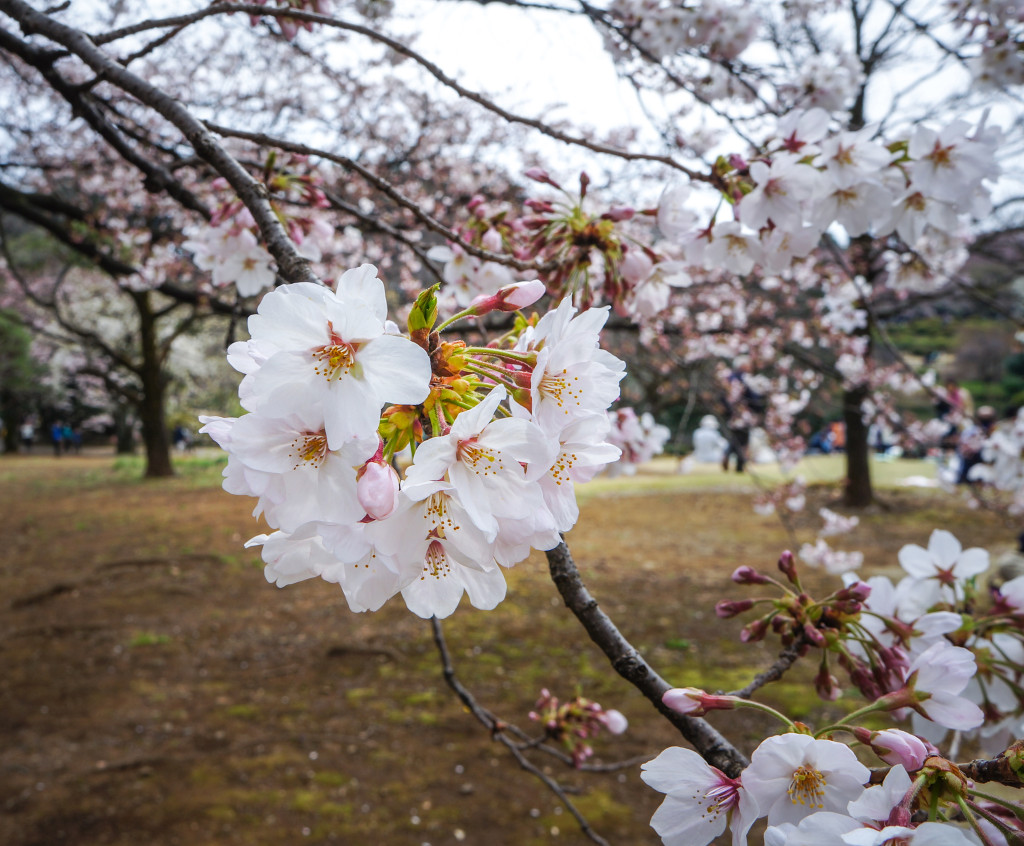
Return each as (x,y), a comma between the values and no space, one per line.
(630,664)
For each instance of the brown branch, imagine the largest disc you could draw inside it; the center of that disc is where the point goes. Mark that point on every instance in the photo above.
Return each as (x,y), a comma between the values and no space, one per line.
(630,664)
(992,770)
(498,729)
(375,224)
(385,188)
(787,658)
(404,50)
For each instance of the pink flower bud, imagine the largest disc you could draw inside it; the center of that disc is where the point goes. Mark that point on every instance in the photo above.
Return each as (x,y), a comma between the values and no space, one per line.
(731,607)
(614,721)
(618,214)
(692,700)
(745,575)
(377,489)
(684,700)
(895,746)
(510,298)
(826,685)
(538,174)
(787,565)
(858,592)
(289,27)
(539,206)
(491,240)
(754,631)
(813,635)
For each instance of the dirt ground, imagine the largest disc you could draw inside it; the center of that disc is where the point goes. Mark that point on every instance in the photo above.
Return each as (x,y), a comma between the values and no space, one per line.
(154,689)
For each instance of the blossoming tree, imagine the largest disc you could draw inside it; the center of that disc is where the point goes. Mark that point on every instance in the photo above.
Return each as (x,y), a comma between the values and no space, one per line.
(394,451)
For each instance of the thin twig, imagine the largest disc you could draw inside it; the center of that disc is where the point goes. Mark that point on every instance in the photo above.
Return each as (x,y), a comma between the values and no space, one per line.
(385,188)
(498,729)
(787,658)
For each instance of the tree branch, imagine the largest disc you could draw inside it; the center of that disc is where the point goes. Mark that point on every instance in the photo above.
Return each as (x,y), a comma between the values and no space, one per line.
(408,52)
(385,188)
(498,729)
(630,664)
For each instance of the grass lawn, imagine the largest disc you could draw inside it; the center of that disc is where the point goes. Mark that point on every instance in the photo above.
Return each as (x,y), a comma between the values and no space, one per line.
(155,690)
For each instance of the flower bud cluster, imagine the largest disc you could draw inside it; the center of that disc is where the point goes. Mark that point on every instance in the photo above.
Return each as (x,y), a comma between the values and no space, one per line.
(571,724)
(498,435)
(906,645)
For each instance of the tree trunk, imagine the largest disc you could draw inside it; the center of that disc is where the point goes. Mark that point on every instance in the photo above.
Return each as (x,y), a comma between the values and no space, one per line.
(124,431)
(11,437)
(151,407)
(858,491)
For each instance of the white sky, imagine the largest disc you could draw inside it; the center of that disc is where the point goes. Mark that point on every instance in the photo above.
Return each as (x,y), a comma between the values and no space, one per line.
(527,60)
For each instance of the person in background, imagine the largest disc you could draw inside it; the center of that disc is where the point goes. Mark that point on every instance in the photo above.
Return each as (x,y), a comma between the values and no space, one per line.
(28,435)
(57,437)
(972,440)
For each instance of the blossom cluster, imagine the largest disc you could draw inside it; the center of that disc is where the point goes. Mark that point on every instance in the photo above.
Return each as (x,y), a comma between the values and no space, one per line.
(497,437)
(815,791)
(230,249)
(908,645)
(1000,61)
(720,30)
(639,438)
(808,178)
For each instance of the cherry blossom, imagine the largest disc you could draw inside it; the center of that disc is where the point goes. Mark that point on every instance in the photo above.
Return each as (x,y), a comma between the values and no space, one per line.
(936,678)
(941,570)
(701,801)
(332,350)
(794,775)
(487,461)
(826,828)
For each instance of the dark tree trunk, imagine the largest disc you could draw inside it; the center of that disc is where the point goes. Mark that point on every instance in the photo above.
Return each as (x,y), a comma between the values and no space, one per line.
(124,432)
(859,492)
(11,438)
(151,407)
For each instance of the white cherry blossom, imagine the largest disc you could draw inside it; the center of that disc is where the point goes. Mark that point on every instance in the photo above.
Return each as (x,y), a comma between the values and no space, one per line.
(701,800)
(332,350)
(942,568)
(484,460)
(792,776)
